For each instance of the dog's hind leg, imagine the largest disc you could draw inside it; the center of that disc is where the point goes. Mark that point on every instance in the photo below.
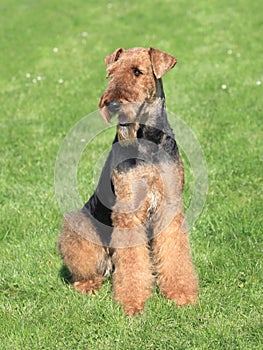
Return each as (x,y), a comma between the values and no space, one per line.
(87,260)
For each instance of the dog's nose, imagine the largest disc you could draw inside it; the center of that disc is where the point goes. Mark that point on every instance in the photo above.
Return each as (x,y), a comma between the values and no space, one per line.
(113,106)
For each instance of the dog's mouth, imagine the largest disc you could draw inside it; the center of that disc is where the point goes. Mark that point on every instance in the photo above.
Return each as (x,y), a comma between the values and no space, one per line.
(127,113)
(123,120)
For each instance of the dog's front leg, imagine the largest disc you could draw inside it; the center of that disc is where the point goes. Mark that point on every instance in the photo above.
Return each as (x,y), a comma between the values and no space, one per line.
(132,278)
(171,252)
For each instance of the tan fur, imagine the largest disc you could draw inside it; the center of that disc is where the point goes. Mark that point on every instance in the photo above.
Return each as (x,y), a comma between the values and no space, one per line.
(176,276)
(87,261)
(148,195)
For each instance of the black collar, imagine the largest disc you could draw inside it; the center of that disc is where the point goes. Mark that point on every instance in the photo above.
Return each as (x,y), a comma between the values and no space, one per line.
(150,133)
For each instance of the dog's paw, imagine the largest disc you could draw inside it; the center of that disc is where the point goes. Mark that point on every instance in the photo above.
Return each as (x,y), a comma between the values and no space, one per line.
(87,287)
(133,310)
(183,299)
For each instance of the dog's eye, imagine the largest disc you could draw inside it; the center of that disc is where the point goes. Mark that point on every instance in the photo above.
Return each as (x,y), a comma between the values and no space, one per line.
(137,72)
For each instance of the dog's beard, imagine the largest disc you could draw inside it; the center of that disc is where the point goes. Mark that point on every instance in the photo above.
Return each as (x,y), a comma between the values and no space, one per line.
(130,116)
(129,119)
(127,134)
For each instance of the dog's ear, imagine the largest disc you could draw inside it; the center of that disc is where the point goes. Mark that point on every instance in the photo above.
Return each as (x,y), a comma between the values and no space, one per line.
(161,62)
(113,57)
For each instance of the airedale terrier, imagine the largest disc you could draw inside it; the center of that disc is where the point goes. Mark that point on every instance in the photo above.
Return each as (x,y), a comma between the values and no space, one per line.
(134,226)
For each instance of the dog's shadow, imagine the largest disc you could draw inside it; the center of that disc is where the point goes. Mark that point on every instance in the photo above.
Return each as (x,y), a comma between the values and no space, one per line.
(65,275)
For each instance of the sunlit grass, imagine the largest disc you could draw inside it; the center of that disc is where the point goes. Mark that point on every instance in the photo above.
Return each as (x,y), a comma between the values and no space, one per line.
(51,75)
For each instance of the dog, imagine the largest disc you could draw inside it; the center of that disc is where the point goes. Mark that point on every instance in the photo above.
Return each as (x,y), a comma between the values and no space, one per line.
(133,226)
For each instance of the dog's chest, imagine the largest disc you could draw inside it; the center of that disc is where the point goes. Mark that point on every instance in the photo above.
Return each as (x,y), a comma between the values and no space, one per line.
(153,204)
(139,191)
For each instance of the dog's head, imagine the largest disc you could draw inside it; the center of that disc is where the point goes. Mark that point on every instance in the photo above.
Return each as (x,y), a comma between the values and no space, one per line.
(135,82)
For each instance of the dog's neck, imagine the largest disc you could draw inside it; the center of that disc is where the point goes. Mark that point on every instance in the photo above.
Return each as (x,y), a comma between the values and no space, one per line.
(159,88)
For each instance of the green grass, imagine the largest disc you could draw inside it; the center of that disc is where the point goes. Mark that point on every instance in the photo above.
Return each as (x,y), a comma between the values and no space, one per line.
(38,310)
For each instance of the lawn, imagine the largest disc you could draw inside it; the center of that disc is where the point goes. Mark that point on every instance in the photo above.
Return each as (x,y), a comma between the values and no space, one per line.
(52,74)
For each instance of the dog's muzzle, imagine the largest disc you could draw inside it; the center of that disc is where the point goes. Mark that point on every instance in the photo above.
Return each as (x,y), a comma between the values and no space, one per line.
(114,108)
